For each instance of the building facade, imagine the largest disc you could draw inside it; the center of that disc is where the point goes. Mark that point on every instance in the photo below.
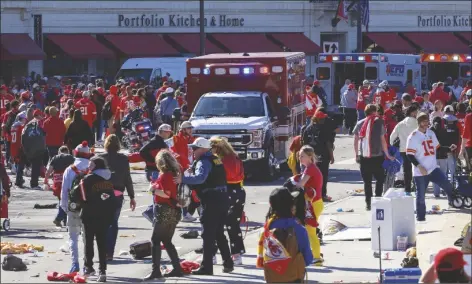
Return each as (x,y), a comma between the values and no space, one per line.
(97,36)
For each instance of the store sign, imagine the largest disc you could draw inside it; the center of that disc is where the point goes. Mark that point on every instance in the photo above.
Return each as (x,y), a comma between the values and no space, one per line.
(179,21)
(444,21)
(38,30)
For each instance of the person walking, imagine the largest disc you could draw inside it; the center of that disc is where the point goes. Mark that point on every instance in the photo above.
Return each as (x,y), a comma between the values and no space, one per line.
(421,147)
(209,178)
(363,99)
(370,132)
(167,215)
(33,141)
(401,132)
(237,195)
(74,223)
(168,105)
(97,213)
(349,103)
(121,179)
(57,165)
(55,132)
(149,151)
(78,131)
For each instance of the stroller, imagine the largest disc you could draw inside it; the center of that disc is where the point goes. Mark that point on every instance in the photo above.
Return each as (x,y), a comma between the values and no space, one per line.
(392,167)
(462,188)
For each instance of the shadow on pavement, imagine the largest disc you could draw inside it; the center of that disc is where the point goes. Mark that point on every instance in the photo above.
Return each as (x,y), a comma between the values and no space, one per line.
(318,269)
(345,176)
(353,269)
(428,232)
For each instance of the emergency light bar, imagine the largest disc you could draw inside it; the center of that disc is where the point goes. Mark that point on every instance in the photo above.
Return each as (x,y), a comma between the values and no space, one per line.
(222,69)
(433,57)
(351,58)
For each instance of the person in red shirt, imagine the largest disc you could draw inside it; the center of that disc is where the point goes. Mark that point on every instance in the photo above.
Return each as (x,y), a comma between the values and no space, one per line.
(410,90)
(384,95)
(127,103)
(55,132)
(467,87)
(312,102)
(312,182)
(181,142)
(161,90)
(4,99)
(114,100)
(87,108)
(439,94)
(363,98)
(237,195)
(466,147)
(164,190)
(6,123)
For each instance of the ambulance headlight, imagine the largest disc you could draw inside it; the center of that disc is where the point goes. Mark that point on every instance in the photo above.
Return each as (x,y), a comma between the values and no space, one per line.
(195,71)
(256,139)
(248,70)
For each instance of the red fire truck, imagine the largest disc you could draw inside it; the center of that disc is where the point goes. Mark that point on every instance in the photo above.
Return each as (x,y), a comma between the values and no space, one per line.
(254,100)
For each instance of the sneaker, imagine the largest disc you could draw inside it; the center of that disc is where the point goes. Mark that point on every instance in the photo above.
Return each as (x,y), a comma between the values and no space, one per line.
(188,218)
(89,272)
(237,259)
(199,251)
(367,207)
(318,261)
(215,261)
(102,277)
(75,268)
(327,199)
(57,223)
(36,188)
(19,184)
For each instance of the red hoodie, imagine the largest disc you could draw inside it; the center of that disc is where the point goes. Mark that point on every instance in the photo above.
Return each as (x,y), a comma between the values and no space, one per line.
(180,147)
(55,131)
(439,94)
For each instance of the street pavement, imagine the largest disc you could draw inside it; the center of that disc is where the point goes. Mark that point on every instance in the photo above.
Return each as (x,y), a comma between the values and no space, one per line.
(347,261)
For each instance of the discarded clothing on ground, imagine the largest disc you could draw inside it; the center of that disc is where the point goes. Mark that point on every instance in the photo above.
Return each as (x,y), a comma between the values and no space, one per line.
(11,248)
(45,206)
(13,263)
(188,266)
(190,235)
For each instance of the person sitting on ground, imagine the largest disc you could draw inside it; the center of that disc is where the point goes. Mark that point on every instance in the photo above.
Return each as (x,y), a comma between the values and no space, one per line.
(448,267)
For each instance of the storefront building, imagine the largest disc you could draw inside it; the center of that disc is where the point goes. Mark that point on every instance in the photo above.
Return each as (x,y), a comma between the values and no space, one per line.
(95,37)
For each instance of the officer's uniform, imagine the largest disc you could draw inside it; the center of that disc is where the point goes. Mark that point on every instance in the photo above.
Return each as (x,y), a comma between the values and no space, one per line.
(209,180)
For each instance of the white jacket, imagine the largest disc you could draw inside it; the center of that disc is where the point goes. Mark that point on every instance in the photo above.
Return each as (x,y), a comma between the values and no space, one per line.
(403,130)
(68,178)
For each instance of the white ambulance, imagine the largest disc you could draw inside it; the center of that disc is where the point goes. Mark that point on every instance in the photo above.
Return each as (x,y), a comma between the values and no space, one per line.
(437,67)
(332,70)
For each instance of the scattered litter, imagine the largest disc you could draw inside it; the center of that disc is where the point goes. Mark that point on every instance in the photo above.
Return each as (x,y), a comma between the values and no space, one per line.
(127,236)
(45,206)
(190,235)
(13,263)
(63,249)
(11,248)
(19,214)
(123,253)
(385,255)
(35,275)
(51,252)
(332,227)
(355,192)
(402,242)
(35,253)
(347,210)
(59,236)
(188,266)
(435,209)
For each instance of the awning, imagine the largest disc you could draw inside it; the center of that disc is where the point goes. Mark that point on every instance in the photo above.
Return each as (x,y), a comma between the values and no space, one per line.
(467,36)
(297,42)
(247,42)
(441,42)
(81,46)
(191,42)
(142,45)
(20,47)
(391,42)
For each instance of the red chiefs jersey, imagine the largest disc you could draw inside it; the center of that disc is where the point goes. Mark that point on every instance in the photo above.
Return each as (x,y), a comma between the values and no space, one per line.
(362,98)
(15,145)
(129,103)
(383,98)
(4,99)
(88,110)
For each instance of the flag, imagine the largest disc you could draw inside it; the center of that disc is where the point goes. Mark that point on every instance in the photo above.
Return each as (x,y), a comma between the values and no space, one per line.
(365,12)
(342,10)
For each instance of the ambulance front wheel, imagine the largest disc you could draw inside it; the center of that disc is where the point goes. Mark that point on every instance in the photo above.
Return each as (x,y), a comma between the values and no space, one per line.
(467,202)
(457,202)
(6,225)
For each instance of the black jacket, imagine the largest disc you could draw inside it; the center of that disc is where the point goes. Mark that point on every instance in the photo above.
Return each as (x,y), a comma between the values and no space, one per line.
(99,204)
(77,132)
(149,151)
(120,172)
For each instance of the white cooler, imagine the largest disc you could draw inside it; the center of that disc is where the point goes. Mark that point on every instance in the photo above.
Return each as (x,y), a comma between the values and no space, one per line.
(395,216)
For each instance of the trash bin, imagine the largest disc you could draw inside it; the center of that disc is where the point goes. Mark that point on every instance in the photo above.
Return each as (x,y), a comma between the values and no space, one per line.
(396,217)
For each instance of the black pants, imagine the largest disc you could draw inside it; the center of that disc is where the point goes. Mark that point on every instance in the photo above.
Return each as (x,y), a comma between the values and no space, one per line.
(215,204)
(323,165)
(350,118)
(407,172)
(36,164)
(372,167)
(237,200)
(96,230)
(163,233)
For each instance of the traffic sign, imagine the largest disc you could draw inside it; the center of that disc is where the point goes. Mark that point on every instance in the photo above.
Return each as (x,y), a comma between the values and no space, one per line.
(330,47)
(380,214)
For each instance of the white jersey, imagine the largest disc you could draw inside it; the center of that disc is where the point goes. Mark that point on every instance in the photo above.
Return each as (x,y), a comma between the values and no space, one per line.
(424,147)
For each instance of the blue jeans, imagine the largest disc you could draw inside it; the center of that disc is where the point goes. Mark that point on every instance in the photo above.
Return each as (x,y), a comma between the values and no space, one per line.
(61,215)
(360,115)
(74,224)
(446,165)
(422,182)
(151,175)
(112,233)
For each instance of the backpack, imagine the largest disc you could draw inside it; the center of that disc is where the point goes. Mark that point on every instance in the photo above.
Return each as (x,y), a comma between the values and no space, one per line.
(33,140)
(106,111)
(184,195)
(75,193)
(313,138)
(283,262)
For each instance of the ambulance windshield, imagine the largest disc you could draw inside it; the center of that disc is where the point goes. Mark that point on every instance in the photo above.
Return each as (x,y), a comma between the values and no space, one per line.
(230,106)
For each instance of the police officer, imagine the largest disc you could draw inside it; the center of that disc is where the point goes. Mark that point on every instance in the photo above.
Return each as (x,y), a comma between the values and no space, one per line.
(208,177)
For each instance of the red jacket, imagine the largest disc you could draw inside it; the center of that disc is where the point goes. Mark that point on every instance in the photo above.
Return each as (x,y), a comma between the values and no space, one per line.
(115,102)
(55,131)
(439,94)
(4,99)
(88,110)
(234,169)
(383,98)
(15,146)
(362,98)
(180,147)
(463,96)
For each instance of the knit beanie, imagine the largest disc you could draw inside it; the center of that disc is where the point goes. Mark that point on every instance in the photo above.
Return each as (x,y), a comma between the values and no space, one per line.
(82,151)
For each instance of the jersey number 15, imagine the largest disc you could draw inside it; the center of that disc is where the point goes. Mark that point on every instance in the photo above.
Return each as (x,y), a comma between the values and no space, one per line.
(428,147)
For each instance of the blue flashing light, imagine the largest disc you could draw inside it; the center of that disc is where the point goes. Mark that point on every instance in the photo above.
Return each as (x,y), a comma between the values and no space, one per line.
(248,70)
(206,71)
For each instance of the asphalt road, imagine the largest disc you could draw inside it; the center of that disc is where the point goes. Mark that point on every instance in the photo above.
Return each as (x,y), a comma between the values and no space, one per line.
(35,225)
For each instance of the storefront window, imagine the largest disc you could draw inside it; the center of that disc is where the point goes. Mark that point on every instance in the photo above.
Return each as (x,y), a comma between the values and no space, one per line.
(371,73)
(465,71)
(323,73)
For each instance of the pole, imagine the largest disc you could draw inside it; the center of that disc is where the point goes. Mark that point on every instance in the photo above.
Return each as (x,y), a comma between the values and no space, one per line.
(380,257)
(359,27)
(202,27)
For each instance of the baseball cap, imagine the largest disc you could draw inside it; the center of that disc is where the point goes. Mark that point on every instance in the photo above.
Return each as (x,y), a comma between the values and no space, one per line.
(351,86)
(186,124)
(365,82)
(448,109)
(3,87)
(406,97)
(165,127)
(201,142)
(169,90)
(316,83)
(398,103)
(35,85)
(449,259)
(37,112)
(86,94)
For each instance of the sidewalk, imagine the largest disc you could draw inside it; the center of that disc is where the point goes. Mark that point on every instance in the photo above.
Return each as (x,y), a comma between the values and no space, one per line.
(347,261)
